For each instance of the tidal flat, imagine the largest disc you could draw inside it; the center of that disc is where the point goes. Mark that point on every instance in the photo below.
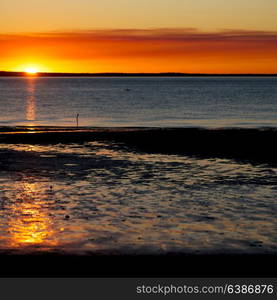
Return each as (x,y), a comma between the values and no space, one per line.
(82,194)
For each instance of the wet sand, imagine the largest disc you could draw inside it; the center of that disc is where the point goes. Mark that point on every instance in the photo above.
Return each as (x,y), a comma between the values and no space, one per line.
(175,194)
(239,143)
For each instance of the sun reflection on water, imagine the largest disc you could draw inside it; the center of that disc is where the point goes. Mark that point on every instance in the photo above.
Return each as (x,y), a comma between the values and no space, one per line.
(30,225)
(31,100)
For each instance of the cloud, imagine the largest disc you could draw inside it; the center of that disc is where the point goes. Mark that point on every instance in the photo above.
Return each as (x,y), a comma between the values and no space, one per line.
(162,35)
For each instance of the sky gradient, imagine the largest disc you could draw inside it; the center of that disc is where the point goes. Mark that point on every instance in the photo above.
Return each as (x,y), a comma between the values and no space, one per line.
(195,36)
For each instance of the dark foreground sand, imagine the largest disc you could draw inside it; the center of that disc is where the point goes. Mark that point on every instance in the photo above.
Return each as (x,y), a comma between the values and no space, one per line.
(256,145)
(122,266)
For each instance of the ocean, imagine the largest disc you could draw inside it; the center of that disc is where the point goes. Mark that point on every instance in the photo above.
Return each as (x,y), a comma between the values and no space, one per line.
(150,102)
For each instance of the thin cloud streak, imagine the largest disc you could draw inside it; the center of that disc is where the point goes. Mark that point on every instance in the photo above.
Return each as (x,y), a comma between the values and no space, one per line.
(162,34)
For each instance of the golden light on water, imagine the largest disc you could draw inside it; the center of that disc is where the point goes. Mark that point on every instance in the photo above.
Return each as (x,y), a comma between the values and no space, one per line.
(31,101)
(31,225)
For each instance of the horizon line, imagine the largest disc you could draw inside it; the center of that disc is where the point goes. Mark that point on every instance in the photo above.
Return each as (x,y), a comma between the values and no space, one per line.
(39,74)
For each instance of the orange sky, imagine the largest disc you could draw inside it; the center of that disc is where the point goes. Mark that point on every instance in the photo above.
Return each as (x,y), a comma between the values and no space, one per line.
(198,36)
(159,50)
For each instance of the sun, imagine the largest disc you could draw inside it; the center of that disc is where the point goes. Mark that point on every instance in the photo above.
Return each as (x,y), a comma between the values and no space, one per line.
(31,71)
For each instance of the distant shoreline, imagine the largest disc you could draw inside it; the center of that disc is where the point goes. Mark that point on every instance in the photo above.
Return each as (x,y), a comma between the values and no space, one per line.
(107,74)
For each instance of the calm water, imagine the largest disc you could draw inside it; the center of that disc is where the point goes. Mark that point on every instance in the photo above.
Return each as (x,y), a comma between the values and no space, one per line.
(211,102)
(98,197)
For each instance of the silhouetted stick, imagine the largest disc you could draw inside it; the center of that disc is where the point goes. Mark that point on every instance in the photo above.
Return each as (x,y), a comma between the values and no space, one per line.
(77,120)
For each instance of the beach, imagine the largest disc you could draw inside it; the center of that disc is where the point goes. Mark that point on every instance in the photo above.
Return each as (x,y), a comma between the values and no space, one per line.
(137,191)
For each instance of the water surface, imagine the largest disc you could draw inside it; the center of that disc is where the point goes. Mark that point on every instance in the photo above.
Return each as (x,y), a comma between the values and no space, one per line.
(158,102)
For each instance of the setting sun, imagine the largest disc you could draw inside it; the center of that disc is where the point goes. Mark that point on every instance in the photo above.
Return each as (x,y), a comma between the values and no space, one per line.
(31,71)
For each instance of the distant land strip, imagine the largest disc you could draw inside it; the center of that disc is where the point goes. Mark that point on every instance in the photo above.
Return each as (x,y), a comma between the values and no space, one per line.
(107,74)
